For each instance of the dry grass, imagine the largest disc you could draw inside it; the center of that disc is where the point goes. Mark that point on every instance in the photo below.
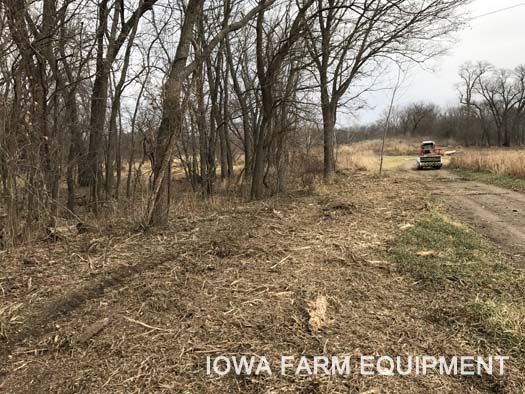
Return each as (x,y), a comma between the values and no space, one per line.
(365,155)
(8,318)
(498,161)
(502,318)
(357,160)
(393,146)
(358,157)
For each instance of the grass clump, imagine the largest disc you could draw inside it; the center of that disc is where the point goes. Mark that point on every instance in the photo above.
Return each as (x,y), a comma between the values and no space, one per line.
(470,281)
(438,252)
(503,321)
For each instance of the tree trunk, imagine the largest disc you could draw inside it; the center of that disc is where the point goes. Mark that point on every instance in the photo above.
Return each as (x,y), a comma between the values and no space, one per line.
(91,169)
(74,148)
(158,202)
(257,190)
(328,140)
(118,156)
(93,173)
(245,114)
(132,137)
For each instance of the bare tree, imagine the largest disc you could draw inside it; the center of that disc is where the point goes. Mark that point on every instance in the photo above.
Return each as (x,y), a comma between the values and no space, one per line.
(349,38)
(267,73)
(106,54)
(470,75)
(502,91)
(158,201)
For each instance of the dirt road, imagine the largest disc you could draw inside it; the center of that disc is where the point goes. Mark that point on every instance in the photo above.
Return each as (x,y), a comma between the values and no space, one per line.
(495,212)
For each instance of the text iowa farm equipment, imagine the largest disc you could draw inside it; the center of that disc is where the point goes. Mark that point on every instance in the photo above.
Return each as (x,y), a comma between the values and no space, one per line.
(429,156)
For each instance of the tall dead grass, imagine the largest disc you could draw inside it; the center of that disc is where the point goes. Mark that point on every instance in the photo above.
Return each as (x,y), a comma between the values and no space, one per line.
(357,160)
(498,161)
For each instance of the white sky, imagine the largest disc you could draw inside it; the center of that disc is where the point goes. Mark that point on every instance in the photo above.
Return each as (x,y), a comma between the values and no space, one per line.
(498,38)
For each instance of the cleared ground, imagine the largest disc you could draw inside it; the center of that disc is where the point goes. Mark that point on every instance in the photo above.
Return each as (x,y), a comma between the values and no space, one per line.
(238,277)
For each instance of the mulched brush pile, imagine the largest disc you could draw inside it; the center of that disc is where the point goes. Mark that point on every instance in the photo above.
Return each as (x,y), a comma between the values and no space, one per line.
(111,311)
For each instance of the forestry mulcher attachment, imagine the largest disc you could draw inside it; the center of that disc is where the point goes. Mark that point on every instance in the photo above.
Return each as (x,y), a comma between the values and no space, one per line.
(429,156)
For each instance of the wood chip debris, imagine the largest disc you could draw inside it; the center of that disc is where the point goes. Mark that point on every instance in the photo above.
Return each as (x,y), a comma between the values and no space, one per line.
(317,310)
(92,330)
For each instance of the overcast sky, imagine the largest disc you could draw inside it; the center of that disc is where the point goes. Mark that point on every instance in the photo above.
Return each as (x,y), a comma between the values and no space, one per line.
(498,38)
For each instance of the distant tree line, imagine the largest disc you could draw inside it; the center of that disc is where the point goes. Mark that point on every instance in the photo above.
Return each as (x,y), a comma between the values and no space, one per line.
(490,112)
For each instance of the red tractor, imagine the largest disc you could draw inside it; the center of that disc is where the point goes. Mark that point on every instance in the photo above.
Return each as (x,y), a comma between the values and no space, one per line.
(429,156)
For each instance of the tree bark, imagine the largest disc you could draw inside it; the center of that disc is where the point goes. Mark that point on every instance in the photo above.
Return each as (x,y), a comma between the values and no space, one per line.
(158,203)
(328,140)
(92,170)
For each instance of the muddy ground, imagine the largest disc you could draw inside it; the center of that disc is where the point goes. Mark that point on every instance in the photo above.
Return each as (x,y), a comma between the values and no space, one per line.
(115,311)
